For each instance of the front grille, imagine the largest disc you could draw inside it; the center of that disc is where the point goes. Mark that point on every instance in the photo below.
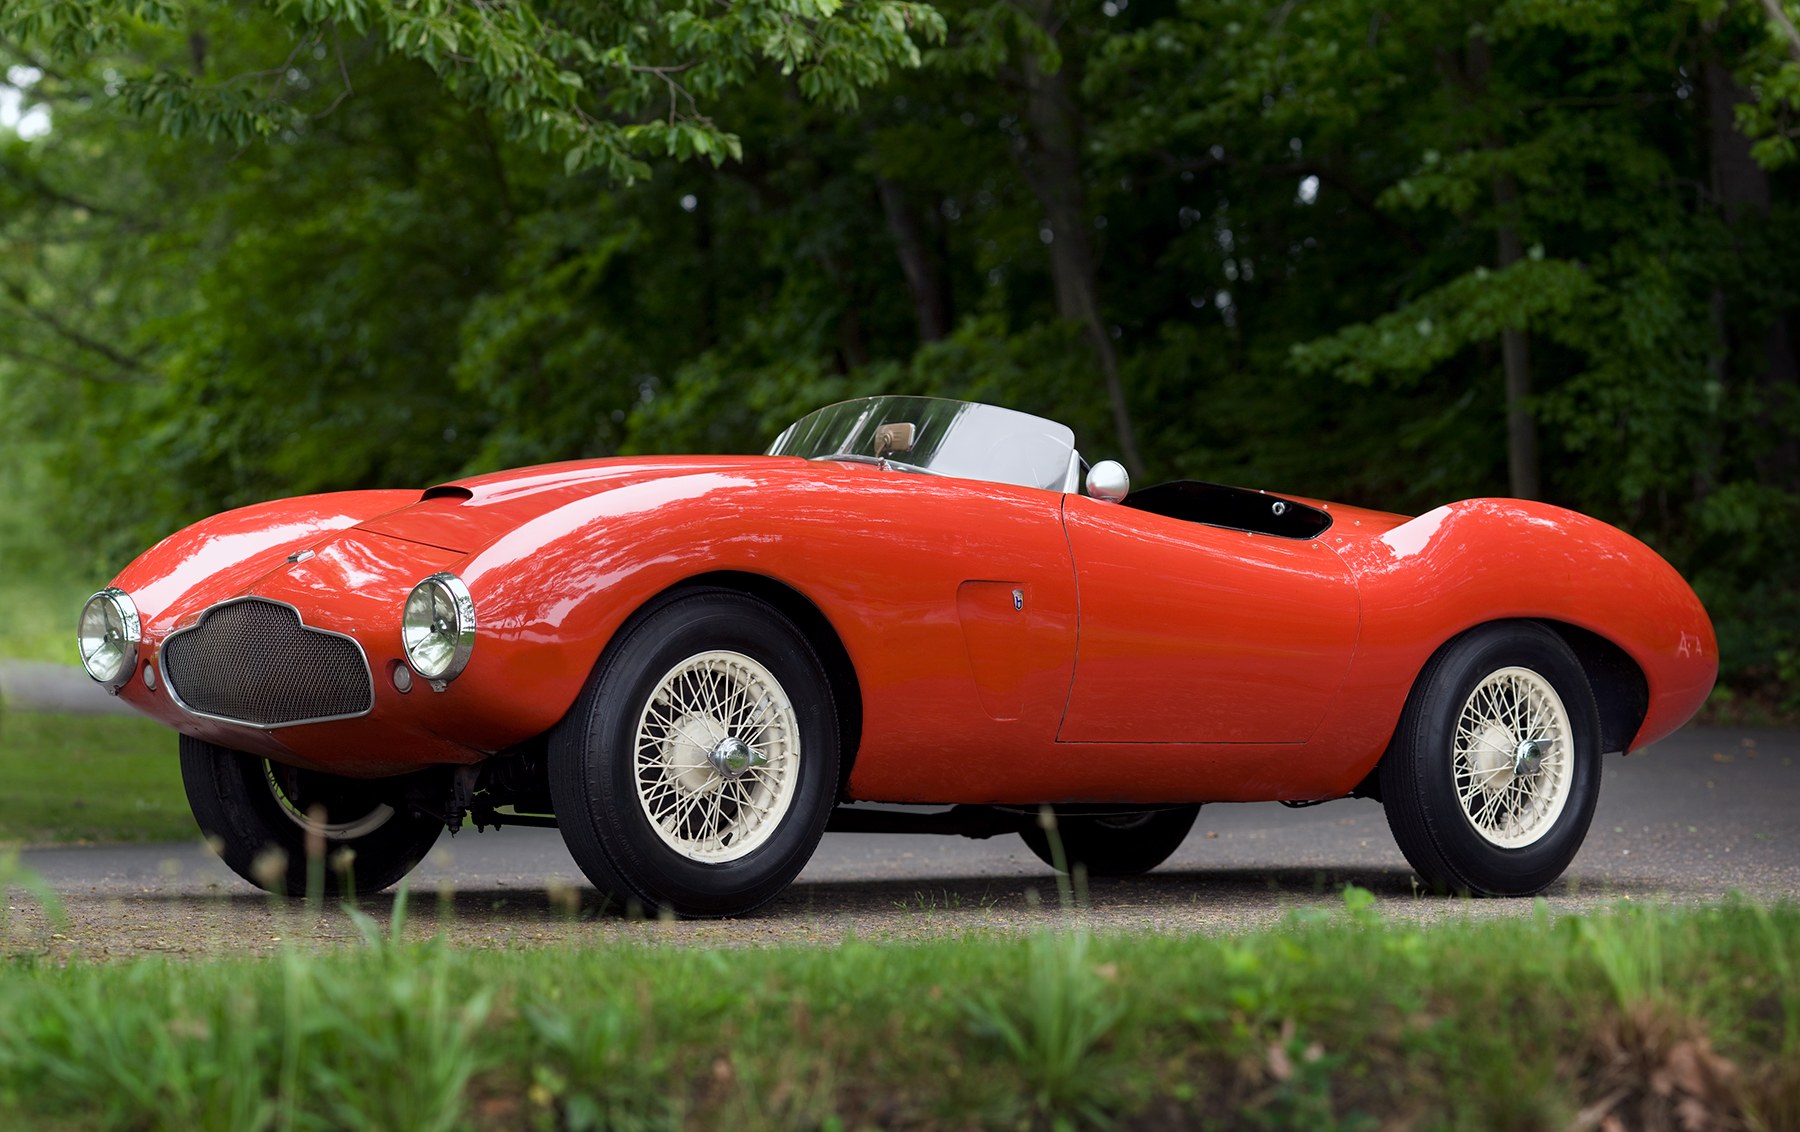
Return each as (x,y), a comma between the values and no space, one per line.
(252,661)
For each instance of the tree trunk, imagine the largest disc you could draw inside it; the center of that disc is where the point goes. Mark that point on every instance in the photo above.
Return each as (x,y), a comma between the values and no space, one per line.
(853,344)
(1739,183)
(705,246)
(1522,470)
(1053,169)
(931,308)
(1741,188)
(1515,359)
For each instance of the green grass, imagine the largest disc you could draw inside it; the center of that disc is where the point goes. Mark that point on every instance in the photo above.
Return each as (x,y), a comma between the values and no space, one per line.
(89,778)
(1332,1021)
(43,579)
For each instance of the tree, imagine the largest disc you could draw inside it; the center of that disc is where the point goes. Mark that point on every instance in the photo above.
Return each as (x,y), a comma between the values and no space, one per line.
(588,82)
(1348,249)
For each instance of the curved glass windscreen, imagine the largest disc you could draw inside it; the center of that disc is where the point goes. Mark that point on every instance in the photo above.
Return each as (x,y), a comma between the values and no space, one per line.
(938,436)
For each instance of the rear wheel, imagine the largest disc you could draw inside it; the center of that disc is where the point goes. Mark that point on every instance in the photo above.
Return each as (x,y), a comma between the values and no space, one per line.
(260,816)
(1113,845)
(697,771)
(1494,770)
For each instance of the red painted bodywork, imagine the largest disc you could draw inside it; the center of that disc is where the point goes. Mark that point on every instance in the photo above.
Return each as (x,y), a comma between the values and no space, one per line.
(1010,644)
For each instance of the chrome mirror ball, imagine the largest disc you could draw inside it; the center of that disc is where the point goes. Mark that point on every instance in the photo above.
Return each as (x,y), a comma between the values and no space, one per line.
(1108,481)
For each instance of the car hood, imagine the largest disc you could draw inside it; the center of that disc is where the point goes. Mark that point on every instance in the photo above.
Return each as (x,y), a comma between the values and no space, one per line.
(467,514)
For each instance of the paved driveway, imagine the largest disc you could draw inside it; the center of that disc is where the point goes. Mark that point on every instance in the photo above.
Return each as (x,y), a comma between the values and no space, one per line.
(1705,813)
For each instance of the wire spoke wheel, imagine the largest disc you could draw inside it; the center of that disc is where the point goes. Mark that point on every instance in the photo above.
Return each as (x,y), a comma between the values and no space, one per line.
(1491,778)
(343,819)
(716,756)
(1512,757)
(697,771)
(269,821)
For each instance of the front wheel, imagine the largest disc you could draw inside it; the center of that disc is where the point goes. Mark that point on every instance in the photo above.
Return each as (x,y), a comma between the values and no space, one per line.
(1112,845)
(261,817)
(696,772)
(1494,771)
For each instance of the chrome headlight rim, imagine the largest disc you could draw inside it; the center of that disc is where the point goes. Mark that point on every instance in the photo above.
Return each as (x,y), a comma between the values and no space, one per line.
(458,633)
(129,635)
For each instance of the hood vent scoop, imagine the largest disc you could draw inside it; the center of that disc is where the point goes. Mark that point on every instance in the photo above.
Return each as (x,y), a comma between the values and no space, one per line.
(447,491)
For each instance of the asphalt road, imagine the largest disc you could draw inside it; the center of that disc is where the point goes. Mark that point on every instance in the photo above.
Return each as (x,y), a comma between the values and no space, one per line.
(30,685)
(1701,815)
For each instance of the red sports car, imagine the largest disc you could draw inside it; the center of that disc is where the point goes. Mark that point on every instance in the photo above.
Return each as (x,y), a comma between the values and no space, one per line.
(694,665)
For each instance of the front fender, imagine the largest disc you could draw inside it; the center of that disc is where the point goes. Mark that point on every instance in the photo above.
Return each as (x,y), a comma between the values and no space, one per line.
(881,556)
(551,592)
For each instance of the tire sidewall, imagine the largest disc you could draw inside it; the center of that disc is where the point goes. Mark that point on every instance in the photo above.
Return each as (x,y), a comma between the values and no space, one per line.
(1482,865)
(654,872)
(1107,850)
(232,800)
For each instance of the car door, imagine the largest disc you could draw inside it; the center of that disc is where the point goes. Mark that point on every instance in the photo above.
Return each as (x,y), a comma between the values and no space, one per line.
(1199,634)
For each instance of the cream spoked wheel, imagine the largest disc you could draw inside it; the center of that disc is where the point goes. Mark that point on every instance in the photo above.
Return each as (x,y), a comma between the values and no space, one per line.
(255,811)
(717,756)
(1512,763)
(336,826)
(1491,777)
(696,772)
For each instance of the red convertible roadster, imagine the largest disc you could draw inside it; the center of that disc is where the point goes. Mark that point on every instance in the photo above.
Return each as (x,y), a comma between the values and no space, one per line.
(693,666)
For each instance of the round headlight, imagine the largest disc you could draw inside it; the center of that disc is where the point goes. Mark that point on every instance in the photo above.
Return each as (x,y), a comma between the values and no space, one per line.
(438,627)
(108,637)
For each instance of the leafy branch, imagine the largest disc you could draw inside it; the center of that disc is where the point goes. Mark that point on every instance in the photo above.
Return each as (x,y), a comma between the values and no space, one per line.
(559,76)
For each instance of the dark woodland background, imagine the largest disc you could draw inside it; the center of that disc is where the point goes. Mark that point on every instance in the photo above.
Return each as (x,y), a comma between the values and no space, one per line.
(1390,253)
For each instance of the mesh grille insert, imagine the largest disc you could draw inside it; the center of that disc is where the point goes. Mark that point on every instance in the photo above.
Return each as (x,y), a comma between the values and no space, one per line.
(254,662)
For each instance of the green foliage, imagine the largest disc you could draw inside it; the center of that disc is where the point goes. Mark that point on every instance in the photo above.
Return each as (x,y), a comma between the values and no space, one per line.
(392,1041)
(564,78)
(288,247)
(1051,1026)
(592,1063)
(1406,345)
(1772,118)
(1629,953)
(44,576)
(1345,1021)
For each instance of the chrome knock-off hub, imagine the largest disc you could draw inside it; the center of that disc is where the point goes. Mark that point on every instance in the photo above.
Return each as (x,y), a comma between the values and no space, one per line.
(732,757)
(1529,758)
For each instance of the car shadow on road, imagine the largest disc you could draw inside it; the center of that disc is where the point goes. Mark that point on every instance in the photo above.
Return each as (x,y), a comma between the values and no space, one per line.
(1204,899)
(1272,892)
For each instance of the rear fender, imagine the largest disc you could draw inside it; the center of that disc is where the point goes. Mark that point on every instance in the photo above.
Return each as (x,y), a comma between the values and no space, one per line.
(1439,575)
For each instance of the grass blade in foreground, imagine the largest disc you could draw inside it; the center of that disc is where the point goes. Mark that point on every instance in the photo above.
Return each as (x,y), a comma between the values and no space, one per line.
(1343,1021)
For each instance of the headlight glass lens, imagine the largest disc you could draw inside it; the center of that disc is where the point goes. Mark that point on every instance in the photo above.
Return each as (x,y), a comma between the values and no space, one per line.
(437,628)
(108,636)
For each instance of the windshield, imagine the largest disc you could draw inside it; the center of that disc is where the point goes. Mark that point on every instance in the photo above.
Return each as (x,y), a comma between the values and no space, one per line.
(938,436)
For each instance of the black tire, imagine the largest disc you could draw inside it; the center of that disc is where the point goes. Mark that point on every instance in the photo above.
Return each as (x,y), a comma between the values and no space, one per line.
(1120,845)
(594,776)
(1433,826)
(251,809)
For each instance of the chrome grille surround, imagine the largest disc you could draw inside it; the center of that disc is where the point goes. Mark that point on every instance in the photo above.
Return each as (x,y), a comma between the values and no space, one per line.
(253,662)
